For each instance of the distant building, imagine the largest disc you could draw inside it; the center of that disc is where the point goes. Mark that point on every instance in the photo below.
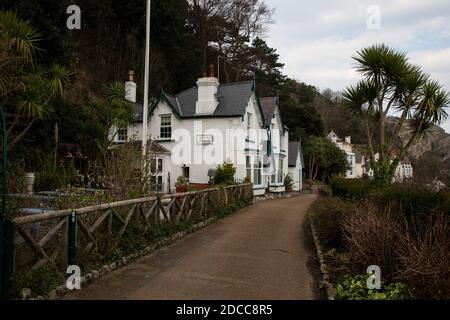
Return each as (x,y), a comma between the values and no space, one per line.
(355,163)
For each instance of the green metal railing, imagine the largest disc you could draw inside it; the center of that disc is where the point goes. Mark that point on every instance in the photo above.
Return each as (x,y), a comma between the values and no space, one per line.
(6,227)
(4,201)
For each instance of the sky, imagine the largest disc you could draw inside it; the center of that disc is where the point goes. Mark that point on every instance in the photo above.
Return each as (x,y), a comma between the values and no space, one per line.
(316,39)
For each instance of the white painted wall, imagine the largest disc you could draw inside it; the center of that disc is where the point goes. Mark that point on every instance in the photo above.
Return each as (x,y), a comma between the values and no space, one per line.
(185,135)
(296,174)
(186,132)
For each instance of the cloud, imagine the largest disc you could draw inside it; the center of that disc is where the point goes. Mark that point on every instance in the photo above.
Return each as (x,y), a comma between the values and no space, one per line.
(316,40)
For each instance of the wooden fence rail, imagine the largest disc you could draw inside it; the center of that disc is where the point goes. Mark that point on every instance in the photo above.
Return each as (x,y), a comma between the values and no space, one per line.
(108,223)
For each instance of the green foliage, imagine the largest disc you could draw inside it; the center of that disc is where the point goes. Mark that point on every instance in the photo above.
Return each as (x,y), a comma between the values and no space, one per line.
(225,174)
(50,181)
(356,289)
(298,111)
(288,183)
(324,159)
(40,281)
(352,189)
(413,200)
(181,181)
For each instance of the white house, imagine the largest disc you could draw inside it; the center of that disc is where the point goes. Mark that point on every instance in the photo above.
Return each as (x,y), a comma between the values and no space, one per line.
(209,124)
(296,164)
(360,165)
(346,146)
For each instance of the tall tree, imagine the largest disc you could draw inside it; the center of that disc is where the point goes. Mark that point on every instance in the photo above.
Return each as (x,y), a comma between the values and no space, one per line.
(391,83)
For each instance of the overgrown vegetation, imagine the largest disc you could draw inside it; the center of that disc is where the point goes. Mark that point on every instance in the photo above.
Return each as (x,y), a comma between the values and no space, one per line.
(402,229)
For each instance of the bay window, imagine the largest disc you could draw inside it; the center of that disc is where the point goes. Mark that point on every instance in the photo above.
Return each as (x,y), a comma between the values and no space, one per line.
(257,174)
(280,171)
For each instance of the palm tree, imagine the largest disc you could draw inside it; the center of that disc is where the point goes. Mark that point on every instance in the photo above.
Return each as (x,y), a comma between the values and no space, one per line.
(392,84)
(26,89)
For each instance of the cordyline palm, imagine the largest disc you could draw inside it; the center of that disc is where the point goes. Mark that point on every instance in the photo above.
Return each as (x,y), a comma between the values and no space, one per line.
(392,84)
(25,87)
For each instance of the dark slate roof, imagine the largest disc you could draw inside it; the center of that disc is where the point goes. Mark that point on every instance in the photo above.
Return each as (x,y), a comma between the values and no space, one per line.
(153,147)
(294,149)
(268,106)
(233,100)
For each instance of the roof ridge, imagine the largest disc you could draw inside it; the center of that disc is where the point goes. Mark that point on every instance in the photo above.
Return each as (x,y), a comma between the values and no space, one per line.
(260,98)
(235,83)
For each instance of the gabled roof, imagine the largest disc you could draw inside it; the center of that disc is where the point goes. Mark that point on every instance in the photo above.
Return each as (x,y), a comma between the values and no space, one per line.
(233,100)
(295,150)
(269,106)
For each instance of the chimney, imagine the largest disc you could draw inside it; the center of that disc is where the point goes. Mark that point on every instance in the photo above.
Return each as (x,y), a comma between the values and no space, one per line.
(207,93)
(130,87)
(348,139)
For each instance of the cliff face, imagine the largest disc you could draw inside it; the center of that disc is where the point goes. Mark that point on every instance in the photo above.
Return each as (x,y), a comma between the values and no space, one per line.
(436,142)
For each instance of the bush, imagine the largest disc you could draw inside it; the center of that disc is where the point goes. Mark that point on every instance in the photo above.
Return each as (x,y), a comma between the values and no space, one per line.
(412,200)
(352,189)
(49,181)
(327,215)
(289,183)
(40,281)
(424,257)
(225,174)
(371,237)
(356,289)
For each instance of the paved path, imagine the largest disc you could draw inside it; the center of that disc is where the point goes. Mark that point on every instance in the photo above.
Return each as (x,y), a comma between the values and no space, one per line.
(257,253)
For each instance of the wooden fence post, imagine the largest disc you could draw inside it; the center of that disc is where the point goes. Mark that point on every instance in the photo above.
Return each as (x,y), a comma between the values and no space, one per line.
(65,245)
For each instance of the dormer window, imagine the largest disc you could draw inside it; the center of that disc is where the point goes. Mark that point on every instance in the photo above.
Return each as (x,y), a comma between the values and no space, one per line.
(166,127)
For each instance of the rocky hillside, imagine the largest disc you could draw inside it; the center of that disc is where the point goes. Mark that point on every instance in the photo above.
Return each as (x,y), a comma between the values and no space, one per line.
(436,142)
(430,155)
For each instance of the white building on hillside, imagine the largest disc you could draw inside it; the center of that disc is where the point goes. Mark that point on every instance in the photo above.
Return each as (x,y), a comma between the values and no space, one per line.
(209,124)
(346,146)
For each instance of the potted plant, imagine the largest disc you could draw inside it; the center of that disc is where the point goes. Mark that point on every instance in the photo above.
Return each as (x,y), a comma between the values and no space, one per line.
(181,185)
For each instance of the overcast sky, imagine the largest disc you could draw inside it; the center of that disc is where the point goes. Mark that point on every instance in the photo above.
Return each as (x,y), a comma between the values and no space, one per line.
(316,39)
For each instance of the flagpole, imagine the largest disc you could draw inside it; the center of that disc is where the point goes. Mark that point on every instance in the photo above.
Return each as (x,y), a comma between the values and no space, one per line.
(146,83)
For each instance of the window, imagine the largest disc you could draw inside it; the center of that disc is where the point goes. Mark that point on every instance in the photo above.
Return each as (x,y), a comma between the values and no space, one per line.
(280,171)
(248,167)
(156,170)
(122,134)
(166,127)
(257,179)
(249,121)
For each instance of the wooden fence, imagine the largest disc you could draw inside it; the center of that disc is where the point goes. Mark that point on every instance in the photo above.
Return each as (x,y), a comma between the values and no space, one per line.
(67,234)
